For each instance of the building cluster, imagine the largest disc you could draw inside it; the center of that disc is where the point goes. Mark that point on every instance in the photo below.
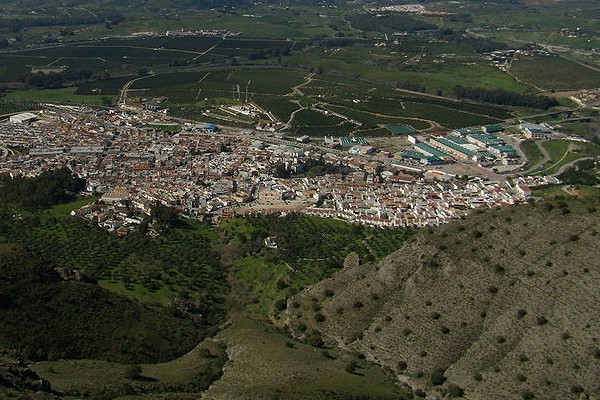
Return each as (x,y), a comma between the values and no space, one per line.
(502,59)
(201,32)
(408,8)
(480,146)
(132,164)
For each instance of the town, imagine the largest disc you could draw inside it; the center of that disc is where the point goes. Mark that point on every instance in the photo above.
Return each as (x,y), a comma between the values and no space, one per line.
(134,160)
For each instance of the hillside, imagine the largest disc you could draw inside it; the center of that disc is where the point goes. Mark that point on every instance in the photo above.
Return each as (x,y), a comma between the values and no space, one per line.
(502,304)
(44,316)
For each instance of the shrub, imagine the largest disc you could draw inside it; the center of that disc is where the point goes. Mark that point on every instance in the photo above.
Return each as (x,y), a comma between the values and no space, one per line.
(401,365)
(521,378)
(445,330)
(315,340)
(541,320)
(501,339)
(435,315)
(527,395)
(319,317)
(133,372)
(351,367)
(576,389)
(437,377)
(521,313)
(523,358)
(478,377)
(328,293)
(358,304)
(327,354)
(455,390)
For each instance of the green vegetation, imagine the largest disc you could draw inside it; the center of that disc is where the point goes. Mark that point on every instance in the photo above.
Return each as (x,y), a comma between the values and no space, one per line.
(563,152)
(45,317)
(555,73)
(50,187)
(532,152)
(266,365)
(302,256)
(192,373)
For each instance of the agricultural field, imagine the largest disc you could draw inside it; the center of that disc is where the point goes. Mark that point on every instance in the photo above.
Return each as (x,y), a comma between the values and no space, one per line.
(555,73)
(155,270)
(68,95)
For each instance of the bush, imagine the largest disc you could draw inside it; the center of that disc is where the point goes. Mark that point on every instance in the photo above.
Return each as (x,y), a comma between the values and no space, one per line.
(541,320)
(455,390)
(576,389)
(315,340)
(445,330)
(319,317)
(133,372)
(437,377)
(527,395)
(351,367)
(521,313)
(401,365)
(358,304)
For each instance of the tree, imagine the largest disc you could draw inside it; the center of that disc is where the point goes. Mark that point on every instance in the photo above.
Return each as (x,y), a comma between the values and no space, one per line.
(133,372)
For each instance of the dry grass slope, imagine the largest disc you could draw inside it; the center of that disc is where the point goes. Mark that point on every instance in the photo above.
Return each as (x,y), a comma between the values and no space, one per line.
(505,302)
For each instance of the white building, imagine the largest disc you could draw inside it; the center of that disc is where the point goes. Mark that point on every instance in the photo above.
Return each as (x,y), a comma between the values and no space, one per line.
(22,118)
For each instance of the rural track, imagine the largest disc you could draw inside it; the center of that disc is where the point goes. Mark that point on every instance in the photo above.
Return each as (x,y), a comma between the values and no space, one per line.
(544,160)
(125,88)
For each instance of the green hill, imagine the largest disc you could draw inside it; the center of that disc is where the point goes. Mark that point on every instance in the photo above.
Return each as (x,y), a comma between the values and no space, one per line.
(502,304)
(43,316)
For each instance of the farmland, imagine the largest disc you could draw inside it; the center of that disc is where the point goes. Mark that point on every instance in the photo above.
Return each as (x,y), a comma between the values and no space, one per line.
(555,73)
(153,269)
(354,76)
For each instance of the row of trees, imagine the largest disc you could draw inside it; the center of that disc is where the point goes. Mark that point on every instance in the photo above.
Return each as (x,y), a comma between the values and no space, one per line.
(505,97)
(481,45)
(17,25)
(57,79)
